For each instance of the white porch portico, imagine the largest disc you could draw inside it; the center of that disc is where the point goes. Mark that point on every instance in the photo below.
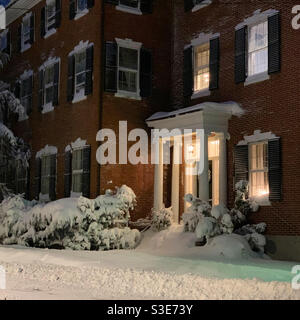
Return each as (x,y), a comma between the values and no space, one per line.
(211,184)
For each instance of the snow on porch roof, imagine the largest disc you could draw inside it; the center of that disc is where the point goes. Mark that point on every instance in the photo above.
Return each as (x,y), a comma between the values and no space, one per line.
(17,8)
(229,107)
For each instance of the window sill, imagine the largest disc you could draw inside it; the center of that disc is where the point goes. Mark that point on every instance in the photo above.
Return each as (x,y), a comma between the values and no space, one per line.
(47,108)
(129,10)
(79,97)
(81,14)
(199,6)
(49,33)
(201,93)
(23,117)
(25,47)
(44,197)
(75,194)
(262,201)
(257,78)
(128,95)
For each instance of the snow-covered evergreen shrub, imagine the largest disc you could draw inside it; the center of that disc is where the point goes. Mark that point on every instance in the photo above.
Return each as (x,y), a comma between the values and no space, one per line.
(207,221)
(78,224)
(161,219)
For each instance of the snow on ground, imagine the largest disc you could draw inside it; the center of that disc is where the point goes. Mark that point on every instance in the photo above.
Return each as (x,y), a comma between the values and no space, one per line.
(166,265)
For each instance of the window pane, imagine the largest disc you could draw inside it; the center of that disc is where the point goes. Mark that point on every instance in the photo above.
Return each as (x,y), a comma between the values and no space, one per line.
(77,182)
(258,38)
(258,61)
(49,75)
(128,58)
(80,62)
(26,30)
(81,5)
(127,81)
(259,156)
(201,67)
(259,184)
(129,3)
(77,160)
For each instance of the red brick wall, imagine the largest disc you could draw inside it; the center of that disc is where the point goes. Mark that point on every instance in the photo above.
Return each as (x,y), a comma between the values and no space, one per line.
(271,105)
(69,121)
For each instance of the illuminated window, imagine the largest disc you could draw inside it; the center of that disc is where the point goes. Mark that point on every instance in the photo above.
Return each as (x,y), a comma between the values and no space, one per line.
(77,170)
(201,67)
(258,49)
(258,165)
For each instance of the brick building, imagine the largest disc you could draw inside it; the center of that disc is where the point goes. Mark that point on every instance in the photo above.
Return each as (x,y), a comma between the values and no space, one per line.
(227,67)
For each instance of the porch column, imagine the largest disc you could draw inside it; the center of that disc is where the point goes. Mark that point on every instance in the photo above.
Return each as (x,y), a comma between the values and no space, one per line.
(158,178)
(175,191)
(203,178)
(222,169)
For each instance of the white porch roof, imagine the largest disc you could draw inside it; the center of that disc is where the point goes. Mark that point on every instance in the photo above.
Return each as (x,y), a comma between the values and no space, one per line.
(210,116)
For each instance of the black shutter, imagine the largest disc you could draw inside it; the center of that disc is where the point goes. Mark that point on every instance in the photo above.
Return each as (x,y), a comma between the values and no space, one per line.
(52,181)
(241,163)
(240,55)
(37,177)
(58,13)
(71,69)
(89,70)
(32,29)
(111,51)
(275,173)
(214,58)
(19,40)
(43,22)
(145,73)
(86,171)
(188,5)
(116,2)
(56,84)
(188,79)
(72,12)
(8,45)
(17,90)
(41,90)
(68,174)
(146,6)
(274,39)
(90,3)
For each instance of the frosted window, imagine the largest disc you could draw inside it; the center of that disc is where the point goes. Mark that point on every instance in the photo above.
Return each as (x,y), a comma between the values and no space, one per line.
(258,49)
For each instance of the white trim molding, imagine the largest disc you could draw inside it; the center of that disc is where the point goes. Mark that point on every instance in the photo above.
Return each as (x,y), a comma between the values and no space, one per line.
(257,136)
(201,5)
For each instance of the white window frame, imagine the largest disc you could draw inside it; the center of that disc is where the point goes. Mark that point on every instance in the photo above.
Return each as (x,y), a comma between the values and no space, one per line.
(205,91)
(129,44)
(25,97)
(77,172)
(79,96)
(45,175)
(24,179)
(81,13)
(129,9)
(262,76)
(25,43)
(262,200)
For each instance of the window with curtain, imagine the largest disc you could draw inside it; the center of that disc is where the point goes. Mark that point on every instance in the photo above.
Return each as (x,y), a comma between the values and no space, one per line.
(49,82)
(258,49)
(80,71)
(128,69)
(201,67)
(45,174)
(81,5)
(26,94)
(50,15)
(258,169)
(26,31)
(77,170)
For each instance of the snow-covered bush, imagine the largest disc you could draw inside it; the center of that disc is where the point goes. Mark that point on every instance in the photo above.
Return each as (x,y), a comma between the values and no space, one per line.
(161,219)
(207,221)
(78,224)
